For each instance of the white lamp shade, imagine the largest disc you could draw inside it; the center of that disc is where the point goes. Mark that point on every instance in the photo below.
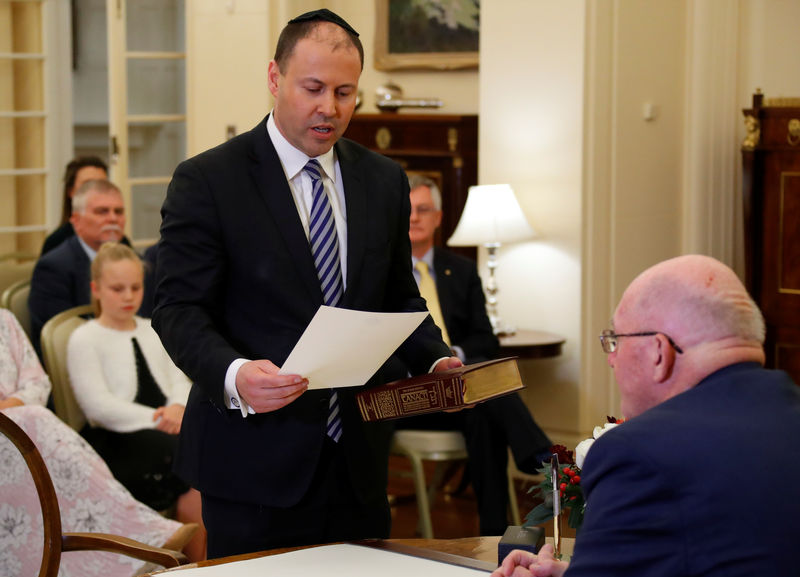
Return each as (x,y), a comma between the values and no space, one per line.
(491,215)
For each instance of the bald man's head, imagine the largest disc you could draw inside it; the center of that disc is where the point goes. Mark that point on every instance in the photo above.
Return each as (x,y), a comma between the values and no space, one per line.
(694,302)
(695,299)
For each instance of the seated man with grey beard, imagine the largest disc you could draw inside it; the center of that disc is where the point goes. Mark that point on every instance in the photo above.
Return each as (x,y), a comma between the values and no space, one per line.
(61,277)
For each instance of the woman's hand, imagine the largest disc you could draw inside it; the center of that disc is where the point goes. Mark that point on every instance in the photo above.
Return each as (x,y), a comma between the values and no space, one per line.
(10,402)
(168,419)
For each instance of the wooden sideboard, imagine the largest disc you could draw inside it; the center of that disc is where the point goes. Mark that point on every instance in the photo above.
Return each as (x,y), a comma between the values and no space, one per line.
(771,197)
(441,146)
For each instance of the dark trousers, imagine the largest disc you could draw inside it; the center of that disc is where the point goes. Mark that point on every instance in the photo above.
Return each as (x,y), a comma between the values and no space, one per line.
(329,512)
(142,462)
(489,429)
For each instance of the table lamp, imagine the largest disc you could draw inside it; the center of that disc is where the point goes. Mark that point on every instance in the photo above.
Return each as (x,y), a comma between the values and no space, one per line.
(491,217)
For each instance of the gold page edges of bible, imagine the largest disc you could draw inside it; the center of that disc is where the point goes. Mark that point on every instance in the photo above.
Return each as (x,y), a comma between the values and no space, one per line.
(435,392)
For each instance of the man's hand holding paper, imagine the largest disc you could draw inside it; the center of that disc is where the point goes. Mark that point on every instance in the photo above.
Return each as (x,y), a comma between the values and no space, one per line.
(339,348)
(264,390)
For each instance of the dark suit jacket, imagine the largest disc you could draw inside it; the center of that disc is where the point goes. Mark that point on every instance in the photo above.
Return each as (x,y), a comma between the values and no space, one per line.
(702,484)
(148,297)
(236,278)
(59,235)
(61,280)
(464,305)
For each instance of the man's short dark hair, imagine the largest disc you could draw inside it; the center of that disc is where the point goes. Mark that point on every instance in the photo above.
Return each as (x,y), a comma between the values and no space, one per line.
(300,28)
(71,173)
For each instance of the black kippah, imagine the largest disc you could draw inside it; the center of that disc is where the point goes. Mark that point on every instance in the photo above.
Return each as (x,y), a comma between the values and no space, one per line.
(324,15)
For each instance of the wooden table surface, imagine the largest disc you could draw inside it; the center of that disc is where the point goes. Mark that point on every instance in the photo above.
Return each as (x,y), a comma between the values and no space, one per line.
(528,344)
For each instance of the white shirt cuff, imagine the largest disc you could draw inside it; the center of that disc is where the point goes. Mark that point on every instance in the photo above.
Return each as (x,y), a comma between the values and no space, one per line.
(232,398)
(436,362)
(459,352)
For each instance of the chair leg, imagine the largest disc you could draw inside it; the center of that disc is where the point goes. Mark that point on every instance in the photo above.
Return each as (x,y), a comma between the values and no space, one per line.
(423,503)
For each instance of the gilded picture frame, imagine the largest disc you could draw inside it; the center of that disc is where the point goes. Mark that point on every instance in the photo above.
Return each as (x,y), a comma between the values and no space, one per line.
(426,34)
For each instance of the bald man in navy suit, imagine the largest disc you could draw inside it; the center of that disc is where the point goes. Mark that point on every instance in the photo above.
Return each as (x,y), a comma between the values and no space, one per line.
(700,478)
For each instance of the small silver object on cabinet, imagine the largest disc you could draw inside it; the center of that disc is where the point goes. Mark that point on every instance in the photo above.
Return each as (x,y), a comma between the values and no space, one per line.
(389,97)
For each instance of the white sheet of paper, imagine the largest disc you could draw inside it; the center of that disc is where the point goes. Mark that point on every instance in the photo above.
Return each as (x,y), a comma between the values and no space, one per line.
(344,348)
(333,561)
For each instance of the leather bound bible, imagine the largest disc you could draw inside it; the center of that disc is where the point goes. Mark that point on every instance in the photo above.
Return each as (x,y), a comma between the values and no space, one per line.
(434,392)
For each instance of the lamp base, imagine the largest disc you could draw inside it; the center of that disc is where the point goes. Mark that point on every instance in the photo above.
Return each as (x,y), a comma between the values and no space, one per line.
(505,331)
(500,328)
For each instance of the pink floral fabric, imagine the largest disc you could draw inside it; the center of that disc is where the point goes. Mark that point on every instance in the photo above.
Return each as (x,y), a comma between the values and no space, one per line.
(89,497)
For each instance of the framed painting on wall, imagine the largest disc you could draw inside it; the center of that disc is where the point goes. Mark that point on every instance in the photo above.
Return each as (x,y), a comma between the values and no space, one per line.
(426,34)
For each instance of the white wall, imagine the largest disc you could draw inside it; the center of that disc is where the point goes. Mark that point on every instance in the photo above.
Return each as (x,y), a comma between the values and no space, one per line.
(229,46)
(562,91)
(531,126)
(769,48)
(633,173)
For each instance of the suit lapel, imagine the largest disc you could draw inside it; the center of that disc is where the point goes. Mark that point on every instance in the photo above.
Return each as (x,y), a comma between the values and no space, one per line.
(273,188)
(355,193)
(83,276)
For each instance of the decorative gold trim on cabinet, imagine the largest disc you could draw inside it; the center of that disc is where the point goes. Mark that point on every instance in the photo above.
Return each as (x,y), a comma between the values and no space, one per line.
(458,162)
(452,139)
(782,102)
(753,132)
(794,132)
(780,235)
(383,138)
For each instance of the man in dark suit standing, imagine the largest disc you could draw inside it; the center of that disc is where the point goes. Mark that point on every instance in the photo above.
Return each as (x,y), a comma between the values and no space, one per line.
(256,235)
(61,276)
(459,305)
(700,480)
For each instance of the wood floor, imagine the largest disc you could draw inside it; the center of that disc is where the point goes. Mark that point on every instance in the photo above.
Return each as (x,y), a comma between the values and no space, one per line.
(453,514)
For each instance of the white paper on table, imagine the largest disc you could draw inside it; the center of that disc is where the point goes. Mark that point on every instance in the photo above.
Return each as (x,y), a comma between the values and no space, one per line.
(344,348)
(333,561)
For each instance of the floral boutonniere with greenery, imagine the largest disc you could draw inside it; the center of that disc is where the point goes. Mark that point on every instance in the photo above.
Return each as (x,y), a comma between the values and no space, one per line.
(569,481)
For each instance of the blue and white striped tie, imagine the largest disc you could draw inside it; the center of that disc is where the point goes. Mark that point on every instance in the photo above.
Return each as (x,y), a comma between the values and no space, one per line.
(325,248)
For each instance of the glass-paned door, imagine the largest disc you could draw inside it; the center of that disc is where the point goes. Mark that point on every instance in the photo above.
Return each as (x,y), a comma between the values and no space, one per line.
(23,127)
(147,92)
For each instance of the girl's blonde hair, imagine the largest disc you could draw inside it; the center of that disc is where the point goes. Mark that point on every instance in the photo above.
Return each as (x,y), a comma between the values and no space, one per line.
(110,252)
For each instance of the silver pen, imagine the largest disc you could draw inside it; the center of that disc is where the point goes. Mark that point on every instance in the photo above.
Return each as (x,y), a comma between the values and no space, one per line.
(554,473)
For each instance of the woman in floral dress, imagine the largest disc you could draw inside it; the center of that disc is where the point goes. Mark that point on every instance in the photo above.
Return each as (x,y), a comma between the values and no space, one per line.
(89,497)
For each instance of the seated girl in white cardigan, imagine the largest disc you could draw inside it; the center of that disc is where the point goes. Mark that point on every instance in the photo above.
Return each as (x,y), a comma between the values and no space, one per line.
(131,392)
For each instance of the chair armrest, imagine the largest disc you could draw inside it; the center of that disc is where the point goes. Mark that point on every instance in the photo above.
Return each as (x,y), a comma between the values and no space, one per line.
(122,545)
(179,539)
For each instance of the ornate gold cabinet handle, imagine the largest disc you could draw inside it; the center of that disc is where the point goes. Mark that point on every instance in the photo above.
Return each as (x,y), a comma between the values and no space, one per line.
(794,132)
(753,136)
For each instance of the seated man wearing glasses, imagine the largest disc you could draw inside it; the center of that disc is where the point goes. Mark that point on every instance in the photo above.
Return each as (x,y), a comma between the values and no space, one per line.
(702,477)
